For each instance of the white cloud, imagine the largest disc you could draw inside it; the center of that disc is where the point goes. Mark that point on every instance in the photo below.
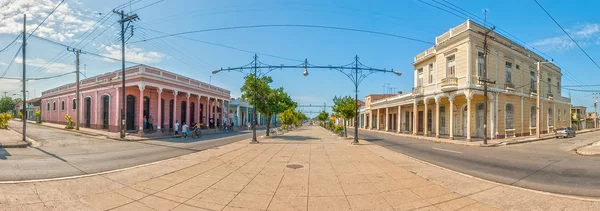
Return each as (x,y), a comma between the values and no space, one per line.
(132,54)
(585,34)
(49,68)
(62,26)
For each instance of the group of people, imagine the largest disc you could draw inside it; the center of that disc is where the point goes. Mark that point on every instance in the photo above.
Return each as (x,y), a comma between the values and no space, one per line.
(148,123)
(193,130)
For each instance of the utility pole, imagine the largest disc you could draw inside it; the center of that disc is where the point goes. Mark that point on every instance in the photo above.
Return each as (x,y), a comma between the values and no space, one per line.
(485,82)
(538,102)
(128,19)
(77,100)
(5,94)
(595,112)
(24,80)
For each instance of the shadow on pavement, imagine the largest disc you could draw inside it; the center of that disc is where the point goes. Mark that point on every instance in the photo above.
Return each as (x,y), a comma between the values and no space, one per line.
(3,154)
(296,138)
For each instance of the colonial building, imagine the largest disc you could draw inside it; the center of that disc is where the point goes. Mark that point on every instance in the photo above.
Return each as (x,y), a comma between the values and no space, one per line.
(156,94)
(578,117)
(447,98)
(241,113)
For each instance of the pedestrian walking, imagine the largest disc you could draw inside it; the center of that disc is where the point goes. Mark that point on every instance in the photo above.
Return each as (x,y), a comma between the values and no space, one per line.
(231,125)
(176,128)
(184,130)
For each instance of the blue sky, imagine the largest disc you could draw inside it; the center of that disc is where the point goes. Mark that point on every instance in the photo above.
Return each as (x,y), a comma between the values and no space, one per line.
(411,18)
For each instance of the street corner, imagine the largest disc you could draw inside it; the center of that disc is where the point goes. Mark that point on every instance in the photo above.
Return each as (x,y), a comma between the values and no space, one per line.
(592,149)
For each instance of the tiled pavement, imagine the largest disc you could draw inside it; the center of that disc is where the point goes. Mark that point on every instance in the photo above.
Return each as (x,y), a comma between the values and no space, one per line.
(240,176)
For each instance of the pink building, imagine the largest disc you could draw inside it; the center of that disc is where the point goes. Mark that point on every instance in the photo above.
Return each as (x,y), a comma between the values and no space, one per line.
(160,96)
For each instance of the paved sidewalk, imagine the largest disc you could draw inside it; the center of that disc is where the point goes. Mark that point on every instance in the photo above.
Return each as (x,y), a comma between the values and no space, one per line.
(332,175)
(592,149)
(478,142)
(11,139)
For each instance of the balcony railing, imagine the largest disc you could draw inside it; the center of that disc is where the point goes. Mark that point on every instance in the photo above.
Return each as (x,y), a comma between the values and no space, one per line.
(418,91)
(449,83)
(509,86)
(550,96)
(532,92)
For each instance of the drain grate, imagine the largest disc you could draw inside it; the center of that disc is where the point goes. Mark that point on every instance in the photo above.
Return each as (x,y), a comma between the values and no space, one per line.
(294,166)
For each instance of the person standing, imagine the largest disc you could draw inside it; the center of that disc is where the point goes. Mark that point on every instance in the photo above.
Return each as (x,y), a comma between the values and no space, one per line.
(150,125)
(184,130)
(145,122)
(176,128)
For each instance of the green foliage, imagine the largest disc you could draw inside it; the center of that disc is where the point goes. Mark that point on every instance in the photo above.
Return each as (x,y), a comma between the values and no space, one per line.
(283,127)
(323,116)
(288,117)
(344,107)
(330,125)
(321,124)
(339,129)
(70,124)
(6,104)
(574,117)
(38,117)
(4,118)
(20,115)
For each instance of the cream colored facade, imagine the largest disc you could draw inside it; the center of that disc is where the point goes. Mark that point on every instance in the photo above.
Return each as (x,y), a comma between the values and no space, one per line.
(447,98)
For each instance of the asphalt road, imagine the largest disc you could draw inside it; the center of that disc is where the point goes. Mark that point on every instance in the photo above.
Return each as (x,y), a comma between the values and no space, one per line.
(64,153)
(548,166)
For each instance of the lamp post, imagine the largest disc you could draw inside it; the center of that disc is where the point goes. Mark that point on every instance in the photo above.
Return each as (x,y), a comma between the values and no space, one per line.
(357,73)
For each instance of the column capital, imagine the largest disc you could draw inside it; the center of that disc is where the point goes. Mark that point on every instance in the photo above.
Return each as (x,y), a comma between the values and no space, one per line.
(437,99)
(175,92)
(159,90)
(142,86)
(188,95)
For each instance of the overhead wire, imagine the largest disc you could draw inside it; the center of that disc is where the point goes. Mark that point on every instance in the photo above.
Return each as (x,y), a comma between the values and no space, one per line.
(10,44)
(46,18)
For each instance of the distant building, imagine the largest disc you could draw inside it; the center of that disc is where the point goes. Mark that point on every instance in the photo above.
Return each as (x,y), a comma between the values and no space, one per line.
(579,117)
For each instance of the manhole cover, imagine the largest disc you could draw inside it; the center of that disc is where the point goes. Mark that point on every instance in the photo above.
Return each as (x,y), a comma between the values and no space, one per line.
(294,166)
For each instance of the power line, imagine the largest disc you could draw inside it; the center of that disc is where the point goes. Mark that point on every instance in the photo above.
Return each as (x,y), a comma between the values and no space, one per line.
(288,25)
(38,26)
(12,61)
(565,31)
(16,38)
(156,2)
(90,53)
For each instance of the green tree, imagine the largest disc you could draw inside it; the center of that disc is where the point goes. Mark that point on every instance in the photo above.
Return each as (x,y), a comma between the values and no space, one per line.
(345,108)
(288,117)
(7,104)
(268,101)
(323,116)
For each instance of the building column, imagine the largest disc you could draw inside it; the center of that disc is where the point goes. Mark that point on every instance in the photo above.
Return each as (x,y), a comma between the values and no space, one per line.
(554,117)
(399,120)
(469,118)
(160,111)
(451,109)
(95,110)
(175,107)
(141,109)
(437,117)
(387,120)
(246,119)
(415,111)
(522,119)
(238,115)
(370,126)
(187,112)
(425,119)
(492,117)
(378,120)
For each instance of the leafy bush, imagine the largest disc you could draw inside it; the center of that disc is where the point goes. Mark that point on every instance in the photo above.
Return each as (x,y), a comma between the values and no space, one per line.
(283,127)
(4,118)
(38,117)
(321,124)
(339,129)
(70,124)
(330,125)
(20,115)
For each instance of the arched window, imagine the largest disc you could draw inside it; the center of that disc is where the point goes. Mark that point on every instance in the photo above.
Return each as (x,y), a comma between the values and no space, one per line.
(54,106)
(510,116)
(62,105)
(47,106)
(74,105)
(550,119)
(533,116)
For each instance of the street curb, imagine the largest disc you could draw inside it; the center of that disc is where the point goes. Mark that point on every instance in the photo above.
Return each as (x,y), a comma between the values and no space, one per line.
(576,150)
(28,141)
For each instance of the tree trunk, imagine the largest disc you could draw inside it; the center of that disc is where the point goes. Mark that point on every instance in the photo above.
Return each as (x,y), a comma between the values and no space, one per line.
(268,123)
(345,129)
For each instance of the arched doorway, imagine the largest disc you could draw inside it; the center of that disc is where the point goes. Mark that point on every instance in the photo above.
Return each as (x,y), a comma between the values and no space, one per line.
(183,112)
(443,120)
(161,113)
(146,111)
(171,104)
(192,113)
(105,111)
(87,112)
(479,120)
(130,112)
(201,113)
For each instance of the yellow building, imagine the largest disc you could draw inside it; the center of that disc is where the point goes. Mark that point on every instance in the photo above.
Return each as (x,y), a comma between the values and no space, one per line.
(447,98)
